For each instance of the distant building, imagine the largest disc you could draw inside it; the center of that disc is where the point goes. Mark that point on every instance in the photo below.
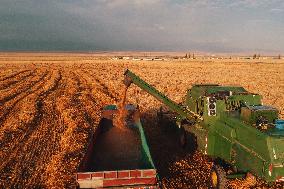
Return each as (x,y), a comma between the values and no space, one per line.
(158,59)
(148,59)
(135,58)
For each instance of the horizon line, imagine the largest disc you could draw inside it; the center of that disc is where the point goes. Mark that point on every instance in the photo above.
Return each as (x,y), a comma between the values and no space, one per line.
(196,53)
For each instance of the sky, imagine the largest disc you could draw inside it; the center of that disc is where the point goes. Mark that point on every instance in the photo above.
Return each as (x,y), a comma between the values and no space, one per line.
(220,26)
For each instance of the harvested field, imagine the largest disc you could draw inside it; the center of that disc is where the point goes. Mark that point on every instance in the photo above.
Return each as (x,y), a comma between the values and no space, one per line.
(51,104)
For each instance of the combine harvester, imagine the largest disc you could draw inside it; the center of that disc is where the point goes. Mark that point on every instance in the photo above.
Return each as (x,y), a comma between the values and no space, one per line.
(229,124)
(118,157)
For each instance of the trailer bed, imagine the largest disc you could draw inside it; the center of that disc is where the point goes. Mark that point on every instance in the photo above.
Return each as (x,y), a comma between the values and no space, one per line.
(118,157)
(116,149)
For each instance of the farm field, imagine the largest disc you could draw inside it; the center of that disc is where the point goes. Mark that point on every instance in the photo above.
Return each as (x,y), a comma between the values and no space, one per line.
(51,103)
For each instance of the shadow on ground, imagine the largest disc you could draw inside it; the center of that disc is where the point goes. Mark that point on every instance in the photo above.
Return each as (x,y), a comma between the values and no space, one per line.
(176,167)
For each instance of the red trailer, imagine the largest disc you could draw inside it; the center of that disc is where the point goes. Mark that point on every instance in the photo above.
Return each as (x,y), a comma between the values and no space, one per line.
(116,157)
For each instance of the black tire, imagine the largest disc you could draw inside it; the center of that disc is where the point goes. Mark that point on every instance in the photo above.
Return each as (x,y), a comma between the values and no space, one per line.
(218,178)
(182,138)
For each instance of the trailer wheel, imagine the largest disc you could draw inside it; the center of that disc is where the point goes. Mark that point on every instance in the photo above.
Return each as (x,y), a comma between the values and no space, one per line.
(218,177)
(182,138)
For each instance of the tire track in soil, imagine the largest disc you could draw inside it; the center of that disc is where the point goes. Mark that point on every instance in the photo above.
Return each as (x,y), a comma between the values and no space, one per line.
(104,88)
(11,83)
(72,143)
(51,130)
(58,138)
(101,93)
(30,85)
(5,111)
(14,127)
(90,107)
(30,144)
(91,90)
(76,102)
(95,94)
(12,75)
(38,143)
(38,105)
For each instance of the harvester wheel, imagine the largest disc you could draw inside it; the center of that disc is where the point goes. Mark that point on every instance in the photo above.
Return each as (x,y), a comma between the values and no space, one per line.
(182,138)
(218,177)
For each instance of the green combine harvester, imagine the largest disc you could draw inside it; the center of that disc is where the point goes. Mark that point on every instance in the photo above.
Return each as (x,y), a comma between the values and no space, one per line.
(229,124)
